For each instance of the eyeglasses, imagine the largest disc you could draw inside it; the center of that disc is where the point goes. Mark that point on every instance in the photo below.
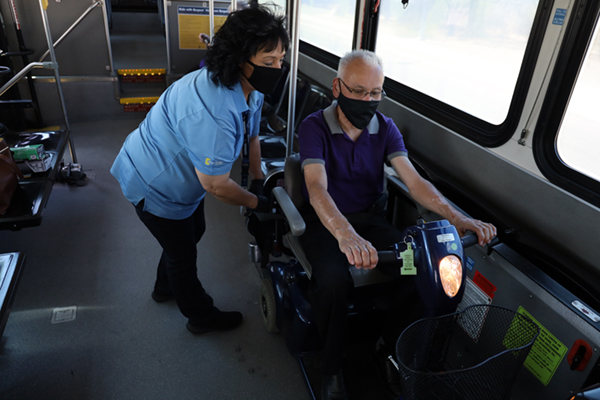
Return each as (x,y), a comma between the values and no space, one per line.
(360,94)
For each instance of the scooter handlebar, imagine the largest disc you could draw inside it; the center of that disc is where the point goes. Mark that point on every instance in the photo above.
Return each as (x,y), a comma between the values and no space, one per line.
(387,257)
(469,240)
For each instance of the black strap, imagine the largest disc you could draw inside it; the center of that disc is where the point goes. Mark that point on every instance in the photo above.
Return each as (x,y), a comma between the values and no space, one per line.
(245,152)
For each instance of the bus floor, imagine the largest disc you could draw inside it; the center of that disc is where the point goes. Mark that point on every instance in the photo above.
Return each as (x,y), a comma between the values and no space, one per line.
(92,252)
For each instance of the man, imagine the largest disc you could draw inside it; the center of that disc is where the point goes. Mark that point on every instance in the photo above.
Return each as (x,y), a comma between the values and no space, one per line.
(343,149)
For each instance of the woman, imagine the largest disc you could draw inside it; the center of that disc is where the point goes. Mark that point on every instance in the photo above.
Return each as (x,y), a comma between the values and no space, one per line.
(186,147)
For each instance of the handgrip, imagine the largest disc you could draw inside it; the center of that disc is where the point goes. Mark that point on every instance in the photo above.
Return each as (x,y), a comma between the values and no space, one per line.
(472,239)
(469,240)
(387,257)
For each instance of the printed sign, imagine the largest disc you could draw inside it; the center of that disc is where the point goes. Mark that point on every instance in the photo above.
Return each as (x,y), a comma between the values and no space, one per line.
(559,16)
(473,295)
(485,285)
(446,237)
(545,355)
(470,263)
(588,312)
(194,21)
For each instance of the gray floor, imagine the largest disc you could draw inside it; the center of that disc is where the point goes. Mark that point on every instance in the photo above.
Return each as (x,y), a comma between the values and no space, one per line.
(92,252)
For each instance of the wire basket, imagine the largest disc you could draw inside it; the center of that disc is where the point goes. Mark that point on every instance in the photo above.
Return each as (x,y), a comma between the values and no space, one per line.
(472,354)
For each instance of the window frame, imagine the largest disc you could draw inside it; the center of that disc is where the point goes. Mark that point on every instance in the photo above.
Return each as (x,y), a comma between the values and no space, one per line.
(465,124)
(574,47)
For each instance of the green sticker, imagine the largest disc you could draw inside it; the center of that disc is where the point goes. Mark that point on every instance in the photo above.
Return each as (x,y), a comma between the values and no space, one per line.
(546,353)
(454,246)
(408,261)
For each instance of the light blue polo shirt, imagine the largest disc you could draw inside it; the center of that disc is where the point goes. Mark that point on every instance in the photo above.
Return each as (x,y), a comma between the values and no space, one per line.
(194,124)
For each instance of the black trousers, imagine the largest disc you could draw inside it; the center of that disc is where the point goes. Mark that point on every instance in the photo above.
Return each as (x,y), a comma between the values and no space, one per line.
(176,272)
(331,281)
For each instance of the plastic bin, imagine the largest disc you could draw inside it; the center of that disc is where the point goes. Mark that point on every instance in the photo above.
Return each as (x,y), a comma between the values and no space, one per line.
(472,354)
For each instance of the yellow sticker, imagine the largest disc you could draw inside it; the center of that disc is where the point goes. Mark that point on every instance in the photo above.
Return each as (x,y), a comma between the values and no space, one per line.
(546,353)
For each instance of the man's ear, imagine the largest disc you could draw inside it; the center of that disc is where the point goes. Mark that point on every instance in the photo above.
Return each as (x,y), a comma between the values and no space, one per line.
(335,89)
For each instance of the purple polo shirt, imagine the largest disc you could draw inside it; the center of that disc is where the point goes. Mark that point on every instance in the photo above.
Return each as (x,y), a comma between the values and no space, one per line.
(354,169)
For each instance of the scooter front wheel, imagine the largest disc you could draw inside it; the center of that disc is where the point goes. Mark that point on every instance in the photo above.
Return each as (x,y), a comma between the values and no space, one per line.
(268,306)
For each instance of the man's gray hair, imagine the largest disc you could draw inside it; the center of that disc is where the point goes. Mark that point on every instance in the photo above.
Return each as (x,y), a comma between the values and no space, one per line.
(368,57)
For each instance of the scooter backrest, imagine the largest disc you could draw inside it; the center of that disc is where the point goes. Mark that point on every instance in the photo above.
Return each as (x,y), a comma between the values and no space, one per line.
(293,180)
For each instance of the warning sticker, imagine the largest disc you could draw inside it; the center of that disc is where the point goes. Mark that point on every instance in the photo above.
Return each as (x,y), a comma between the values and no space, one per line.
(485,285)
(446,237)
(545,355)
(473,295)
(559,16)
(586,310)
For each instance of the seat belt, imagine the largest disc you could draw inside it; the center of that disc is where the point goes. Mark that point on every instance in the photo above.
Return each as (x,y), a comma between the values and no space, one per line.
(245,152)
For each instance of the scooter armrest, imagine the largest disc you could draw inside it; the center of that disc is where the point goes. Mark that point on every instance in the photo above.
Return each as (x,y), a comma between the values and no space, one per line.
(293,217)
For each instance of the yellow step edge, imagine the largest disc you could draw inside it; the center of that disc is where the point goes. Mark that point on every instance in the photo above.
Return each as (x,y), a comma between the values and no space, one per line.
(141,72)
(138,100)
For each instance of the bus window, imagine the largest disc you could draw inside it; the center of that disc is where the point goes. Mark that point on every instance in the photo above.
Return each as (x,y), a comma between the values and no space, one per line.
(328,24)
(465,53)
(278,6)
(578,140)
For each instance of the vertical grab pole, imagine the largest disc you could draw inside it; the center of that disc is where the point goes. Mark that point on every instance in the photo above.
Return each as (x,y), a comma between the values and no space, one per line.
(211,17)
(293,77)
(167,36)
(43,7)
(107,34)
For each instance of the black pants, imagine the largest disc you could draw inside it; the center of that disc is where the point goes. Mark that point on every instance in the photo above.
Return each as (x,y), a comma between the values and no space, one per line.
(331,281)
(176,272)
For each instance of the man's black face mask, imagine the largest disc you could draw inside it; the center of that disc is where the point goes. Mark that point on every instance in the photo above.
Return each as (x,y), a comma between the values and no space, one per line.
(264,79)
(358,112)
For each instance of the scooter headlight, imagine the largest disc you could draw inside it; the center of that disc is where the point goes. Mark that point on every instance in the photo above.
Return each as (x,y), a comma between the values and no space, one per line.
(451,274)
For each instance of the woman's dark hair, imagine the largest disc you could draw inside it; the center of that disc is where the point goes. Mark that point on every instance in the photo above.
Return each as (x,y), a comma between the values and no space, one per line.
(244,33)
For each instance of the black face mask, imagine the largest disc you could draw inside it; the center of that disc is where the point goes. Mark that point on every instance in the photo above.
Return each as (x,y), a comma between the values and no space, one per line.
(358,112)
(264,79)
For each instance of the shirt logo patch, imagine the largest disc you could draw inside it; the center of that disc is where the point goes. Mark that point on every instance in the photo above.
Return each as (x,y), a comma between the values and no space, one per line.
(208,161)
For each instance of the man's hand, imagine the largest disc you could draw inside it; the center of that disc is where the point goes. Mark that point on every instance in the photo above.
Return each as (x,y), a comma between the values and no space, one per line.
(485,231)
(359,251)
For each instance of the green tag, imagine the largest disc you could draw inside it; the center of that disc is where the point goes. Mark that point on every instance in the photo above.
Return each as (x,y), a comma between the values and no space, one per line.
(408,261)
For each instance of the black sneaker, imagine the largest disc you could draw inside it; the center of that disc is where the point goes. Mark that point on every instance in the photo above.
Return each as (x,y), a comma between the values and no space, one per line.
(224,321)
(161,298)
